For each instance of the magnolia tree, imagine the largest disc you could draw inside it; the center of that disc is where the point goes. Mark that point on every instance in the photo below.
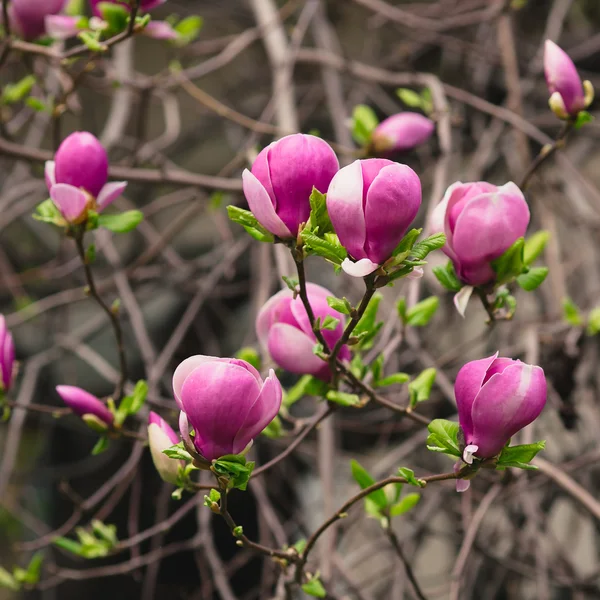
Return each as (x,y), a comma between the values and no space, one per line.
(325,212)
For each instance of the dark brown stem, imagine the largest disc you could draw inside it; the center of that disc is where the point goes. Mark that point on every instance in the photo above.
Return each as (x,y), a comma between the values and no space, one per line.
(6,25)
(546,152)
(489,309)
(113,316)
(407,567)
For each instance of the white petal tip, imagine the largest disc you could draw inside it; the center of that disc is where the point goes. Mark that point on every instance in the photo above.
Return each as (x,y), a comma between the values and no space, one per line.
(468,453)
(461,299)
(361,268)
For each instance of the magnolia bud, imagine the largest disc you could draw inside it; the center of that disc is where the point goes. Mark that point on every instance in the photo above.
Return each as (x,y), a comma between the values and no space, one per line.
(7,356)
(83,403)
(160,437)
(400,132)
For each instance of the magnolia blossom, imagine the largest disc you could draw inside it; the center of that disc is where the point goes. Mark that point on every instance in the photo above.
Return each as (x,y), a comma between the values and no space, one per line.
(27,18)
(160,437)
(77,177)
(282,178)
(83,403)
(496,397)
(7,356)
(225,401)
(400,132)
(371,204)
(284,331)
(481,221)
(568,94)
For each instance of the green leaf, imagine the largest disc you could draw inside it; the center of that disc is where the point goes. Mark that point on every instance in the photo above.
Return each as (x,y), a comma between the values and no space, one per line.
(106,533)
(593,326)
(583,117)
(47,212)
(364,480)
(422,312)
(364,121)
(409,97)
(357,366)
(510,264)
(377,367)
(250,355)
(15,92)
(292,283)
(75,8)
(443,437)
(401,308)
(37,104)
(342,306)
(330,323)
(328,247)
(571,313)
(8,581)
(307,385)
(447,277)
(534,246)
(407,503)
(178,451)
(419,388)
(236,468)
(314,588)
(274,429)
(68,545)
(343,398)
(409,475)
(520,456)
(319,217)
(248,221)
(121,222)
(34,569)
(300,545)
(91,40)
(429,244)
(393,379)
(116,15)
(407,242)
(214,495)
(533,278)
(188,29)
(367,328)
(100,446)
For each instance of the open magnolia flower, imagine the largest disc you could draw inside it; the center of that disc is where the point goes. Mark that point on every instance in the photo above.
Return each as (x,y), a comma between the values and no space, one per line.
(77,177)
(225,401)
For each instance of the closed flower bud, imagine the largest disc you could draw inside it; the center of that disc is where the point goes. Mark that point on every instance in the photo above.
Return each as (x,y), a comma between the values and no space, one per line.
(27,18)
(225,401)
(403,131)
(371,204)
(496,397)
(83,403)
(568,95)
(76,178)
(7,356)
(481,221)
(160,437)
(283,329)
(282,178)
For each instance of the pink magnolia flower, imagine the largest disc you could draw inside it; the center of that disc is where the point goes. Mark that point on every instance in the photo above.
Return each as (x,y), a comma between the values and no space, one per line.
(282,178)
(7,356)
(83,403)
(283,329)
(160,437)
(77,177)
(496,397)
(568,95)
(400,132)
(371,204)
(481,221)
(27,18)
(225,401)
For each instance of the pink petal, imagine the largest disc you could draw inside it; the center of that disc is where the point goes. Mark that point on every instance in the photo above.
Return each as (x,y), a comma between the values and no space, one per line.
(84,403)
(361,268)
(160,30)
(62,26)
(71,201)
(562,78)
(262,207)
(109,193)
(462,485)
(345,208)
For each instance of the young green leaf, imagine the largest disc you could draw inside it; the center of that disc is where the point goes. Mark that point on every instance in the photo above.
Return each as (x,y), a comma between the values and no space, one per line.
(409,97)
(419,388)
(392,379)
(377,367)
(248,221)
(8,581)
(409,475)
(571,313)
(407,503)
(367,328)
(319,218)
(422,312)
(342,306)
(250,355)
(116,15)
(533,278)
(307,385)
(330,323)
(122,222)
(364,121)
(328,247)
(443,437)
(429,244)
(447,277)
(178,452)
(593,325)
(583,118)
(343,398)
(100,446)
(15,92)
(534,246)
(188,29)
(68,545)
(364,480)
(47,212)
(407,242)
(313,587)
(91,40)
(510,264)
(520,456)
